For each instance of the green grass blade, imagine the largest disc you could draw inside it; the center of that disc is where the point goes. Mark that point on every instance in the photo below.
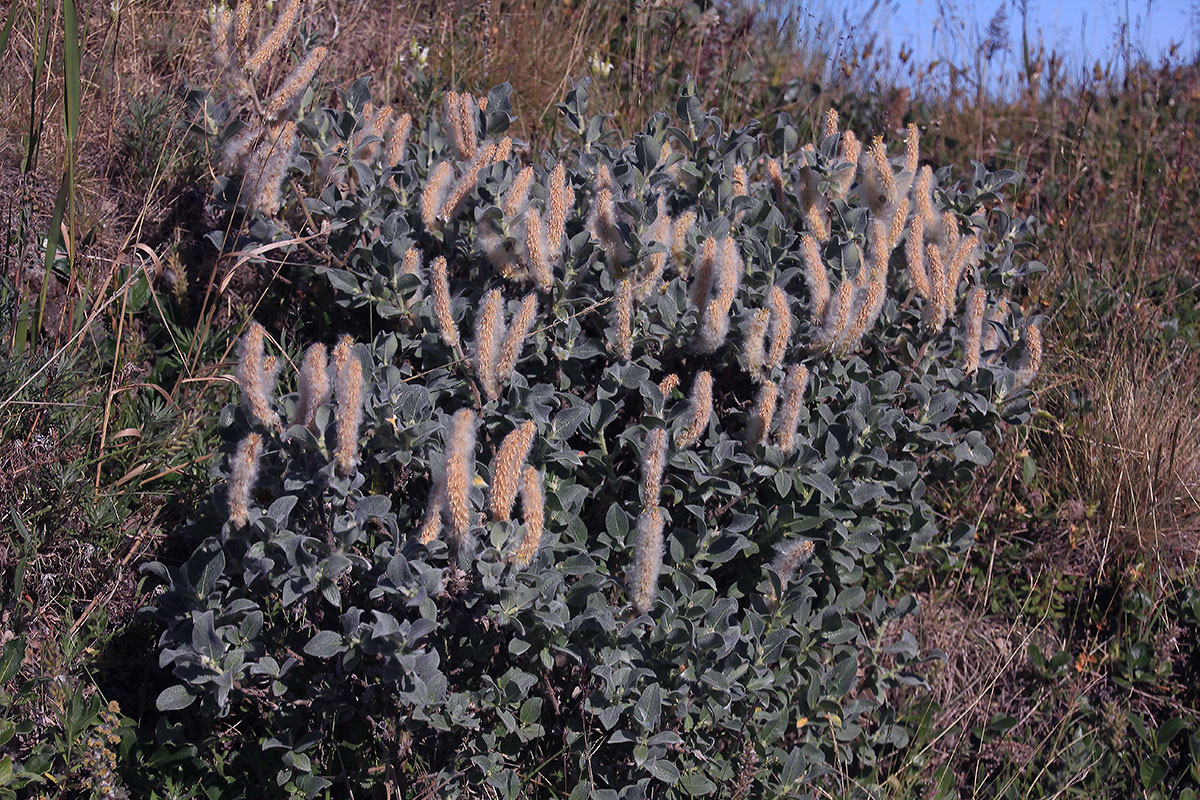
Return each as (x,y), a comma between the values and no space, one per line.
(71,67)
(53,236)
(8,26)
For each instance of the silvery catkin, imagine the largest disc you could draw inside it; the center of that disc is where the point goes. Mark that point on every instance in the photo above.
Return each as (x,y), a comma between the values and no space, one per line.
(460,473)
(506,469)
(243,473)
(700,406)
(647,560)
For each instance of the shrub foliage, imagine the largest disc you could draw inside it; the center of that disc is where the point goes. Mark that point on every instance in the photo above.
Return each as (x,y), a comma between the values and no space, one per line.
(611,492)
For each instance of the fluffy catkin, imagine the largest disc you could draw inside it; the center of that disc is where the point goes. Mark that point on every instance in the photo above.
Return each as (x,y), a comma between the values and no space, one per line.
(654,461)
(489,333)
(623,320)
(397,139)
(831,123)
(815,277)
(437,187)
(533,509)
(242,26)
(700,406)
(668,384)
(993,323)
(780,328)
(935,309)
(702,275)
(755,342)
(885,190)
(468,183)
(679,231)
(503,150)
(348,414)
(460,473)
(431,526)
(656,263)
(275,40)
(243,472)
(837,317)
(267,169)
(914,249)
(897,228)
(794,385)
(314,388)
(440,286)
(912,149)
(962,256)
(923,195)
(506,470)
(647,559)
(518,332)
(764,412)
(726,279)
(950,233)
(973,329)
(375,129)
(469,144)
(880,252)
(222,33)
(851,147)
(516,199)
(281,103)
(561,198)
(790,557)
(412,266)
(1031,362)
(535,241)
(775,176)
(252,377)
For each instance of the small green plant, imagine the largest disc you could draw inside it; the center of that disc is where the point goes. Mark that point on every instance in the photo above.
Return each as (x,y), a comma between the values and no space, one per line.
(720,384)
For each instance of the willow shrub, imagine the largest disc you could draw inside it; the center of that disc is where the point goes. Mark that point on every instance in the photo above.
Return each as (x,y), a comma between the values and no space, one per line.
(738,373)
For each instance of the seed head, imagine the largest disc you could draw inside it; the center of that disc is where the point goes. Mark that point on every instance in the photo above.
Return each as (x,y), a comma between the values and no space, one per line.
(775,176)
(1031,362)
(314,386)
(282,102)
(962,256)
(764,412)
(668,384)
(489,333)
(789,557)
(702,276)
(794,385)
(562,200)
(912,149)
(831,123)
(460,473)
(440,286)
(780,330)
(973,329)
(623,320)
(851,147)
(915,251)
(522,324)
(254,378)
(279,34)
(437,187)
(533,508)
(397,139)
(516,199)
(647,560)
(755,343)
(654,461)
(935,309)
(506,470)
(815,277)
(242,475)
(679,230)
(431,526)
(837,317)
(467,184)
(535,240)
(349,412)
(700,406)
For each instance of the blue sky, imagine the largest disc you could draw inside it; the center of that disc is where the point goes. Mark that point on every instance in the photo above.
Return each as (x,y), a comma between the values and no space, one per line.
(1083,32)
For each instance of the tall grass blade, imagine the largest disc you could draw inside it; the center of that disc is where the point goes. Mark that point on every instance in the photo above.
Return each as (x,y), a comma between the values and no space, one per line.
(8,26)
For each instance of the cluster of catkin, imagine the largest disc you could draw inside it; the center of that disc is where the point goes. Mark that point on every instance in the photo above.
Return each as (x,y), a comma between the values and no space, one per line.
(453,180)
(449,497)
(498,345)
(321,380)
(526,243)
(263,150)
